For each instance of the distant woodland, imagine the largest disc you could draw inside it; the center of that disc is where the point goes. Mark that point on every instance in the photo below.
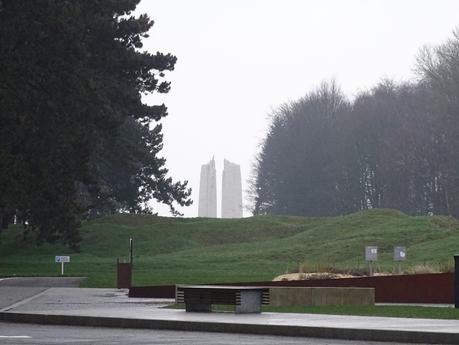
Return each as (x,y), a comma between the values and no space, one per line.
(394,146)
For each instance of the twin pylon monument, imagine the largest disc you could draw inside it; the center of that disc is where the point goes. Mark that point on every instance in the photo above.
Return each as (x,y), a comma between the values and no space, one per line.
(208,191)
(231,191)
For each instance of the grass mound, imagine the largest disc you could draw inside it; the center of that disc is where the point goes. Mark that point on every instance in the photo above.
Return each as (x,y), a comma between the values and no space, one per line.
(199,250)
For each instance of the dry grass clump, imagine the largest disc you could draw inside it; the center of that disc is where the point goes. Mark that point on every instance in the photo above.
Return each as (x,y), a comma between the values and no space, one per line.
(310,268)
(420,269)
(430,268)
(307,270)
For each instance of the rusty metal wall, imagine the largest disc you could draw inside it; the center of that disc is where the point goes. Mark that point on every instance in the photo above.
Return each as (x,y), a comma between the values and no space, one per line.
(158,291)
(416,288)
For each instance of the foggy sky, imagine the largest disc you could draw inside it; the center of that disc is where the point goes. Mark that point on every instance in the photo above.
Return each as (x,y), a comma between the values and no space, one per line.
(239,59)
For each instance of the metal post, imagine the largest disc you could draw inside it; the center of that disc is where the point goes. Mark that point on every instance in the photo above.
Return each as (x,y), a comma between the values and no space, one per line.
(130,251)
(62,268)
(456,281)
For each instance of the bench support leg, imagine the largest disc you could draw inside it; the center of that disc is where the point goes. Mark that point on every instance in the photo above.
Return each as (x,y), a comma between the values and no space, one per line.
(250,302)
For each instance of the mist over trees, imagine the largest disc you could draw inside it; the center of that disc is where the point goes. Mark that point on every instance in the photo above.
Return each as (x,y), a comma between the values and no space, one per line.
(395,146)
(76,139)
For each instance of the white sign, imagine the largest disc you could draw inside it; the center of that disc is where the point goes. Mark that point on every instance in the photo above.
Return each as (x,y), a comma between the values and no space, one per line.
(62,258)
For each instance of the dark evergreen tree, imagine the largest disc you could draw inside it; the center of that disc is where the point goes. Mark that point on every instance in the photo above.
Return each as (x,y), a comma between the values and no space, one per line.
(74,132)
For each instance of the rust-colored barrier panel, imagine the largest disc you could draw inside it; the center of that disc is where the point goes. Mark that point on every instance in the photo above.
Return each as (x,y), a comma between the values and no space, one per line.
(124,275)
(159,291)
(416,288)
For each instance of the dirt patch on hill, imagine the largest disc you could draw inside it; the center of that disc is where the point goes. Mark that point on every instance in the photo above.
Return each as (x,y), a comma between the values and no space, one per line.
(325,275)
(307,276)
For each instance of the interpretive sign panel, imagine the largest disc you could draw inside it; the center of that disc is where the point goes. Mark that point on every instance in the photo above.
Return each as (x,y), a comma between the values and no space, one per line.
(371,253)
(399,253)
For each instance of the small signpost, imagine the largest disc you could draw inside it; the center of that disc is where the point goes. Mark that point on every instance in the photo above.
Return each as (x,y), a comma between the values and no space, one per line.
(62,260)
(399,256)
(130,251)
(371,254)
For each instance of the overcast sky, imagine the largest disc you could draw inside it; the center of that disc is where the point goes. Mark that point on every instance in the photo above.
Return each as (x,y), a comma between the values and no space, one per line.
(239,59)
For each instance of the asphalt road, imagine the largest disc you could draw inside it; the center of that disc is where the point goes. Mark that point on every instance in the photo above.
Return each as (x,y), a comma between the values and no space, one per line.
(19,334)
(14,290)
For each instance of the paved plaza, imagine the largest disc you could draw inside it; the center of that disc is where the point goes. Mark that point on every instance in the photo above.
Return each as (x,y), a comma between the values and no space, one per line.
(112,308)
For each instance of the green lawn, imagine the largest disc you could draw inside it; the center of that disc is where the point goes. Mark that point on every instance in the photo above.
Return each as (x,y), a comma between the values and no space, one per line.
(201,250)
(363,310)
(358,310)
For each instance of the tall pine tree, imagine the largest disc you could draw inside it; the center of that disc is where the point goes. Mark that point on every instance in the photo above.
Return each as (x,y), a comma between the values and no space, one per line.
(75,136)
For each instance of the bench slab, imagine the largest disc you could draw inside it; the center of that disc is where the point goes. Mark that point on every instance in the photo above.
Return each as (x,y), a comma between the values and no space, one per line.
(246,299)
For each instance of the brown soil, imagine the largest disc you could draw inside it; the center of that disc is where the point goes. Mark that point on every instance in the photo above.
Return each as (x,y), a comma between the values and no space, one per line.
(307,276)
(323,275)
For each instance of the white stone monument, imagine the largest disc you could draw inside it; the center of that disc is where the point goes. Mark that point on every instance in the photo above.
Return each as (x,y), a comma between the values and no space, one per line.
(208,191)
(231,191)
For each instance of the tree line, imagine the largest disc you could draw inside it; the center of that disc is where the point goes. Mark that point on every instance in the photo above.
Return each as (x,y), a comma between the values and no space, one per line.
(76,138)
(394,146)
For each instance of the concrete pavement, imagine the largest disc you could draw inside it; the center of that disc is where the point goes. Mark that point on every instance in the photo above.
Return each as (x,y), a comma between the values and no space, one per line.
(31,334)
(13,290)
(112,308)
(42,281)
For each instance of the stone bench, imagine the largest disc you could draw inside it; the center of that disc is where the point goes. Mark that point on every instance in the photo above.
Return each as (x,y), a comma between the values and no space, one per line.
(200,298)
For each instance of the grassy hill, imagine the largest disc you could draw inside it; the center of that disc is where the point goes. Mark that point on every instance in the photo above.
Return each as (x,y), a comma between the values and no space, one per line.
(200,250)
